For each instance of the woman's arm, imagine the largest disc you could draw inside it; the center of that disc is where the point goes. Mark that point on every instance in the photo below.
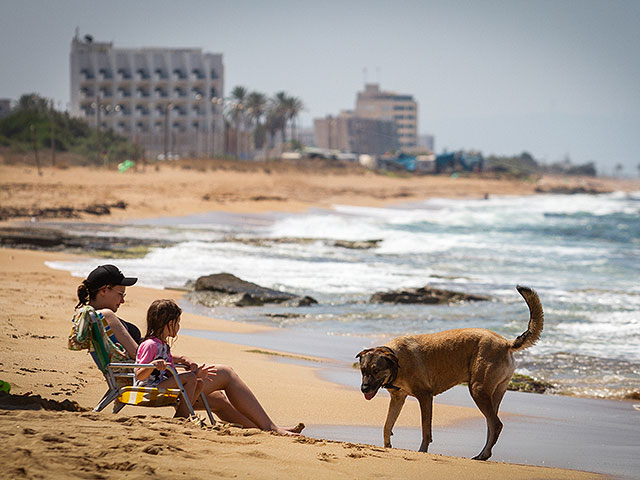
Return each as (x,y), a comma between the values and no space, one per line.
(121,333)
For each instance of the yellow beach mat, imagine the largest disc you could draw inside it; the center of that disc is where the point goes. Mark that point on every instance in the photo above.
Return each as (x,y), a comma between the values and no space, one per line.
(149,396)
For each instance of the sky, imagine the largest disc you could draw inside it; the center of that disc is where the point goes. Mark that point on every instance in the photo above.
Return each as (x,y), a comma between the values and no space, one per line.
(557,78)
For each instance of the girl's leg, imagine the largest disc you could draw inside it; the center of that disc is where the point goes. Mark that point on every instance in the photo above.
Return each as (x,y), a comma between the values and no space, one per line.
(192,387)
(242,398)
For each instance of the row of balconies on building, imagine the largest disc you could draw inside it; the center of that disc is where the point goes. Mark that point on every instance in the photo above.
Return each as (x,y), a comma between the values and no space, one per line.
(157,126)
(143,74)
(146,109)
(195,93)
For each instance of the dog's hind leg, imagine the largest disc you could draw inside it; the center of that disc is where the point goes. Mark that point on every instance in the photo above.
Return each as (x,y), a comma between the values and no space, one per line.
(395,407)
(485,403)
(426,413)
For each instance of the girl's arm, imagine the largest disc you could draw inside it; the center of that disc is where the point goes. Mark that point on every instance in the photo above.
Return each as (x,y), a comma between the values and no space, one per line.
(148,353)
(144,373)
(185,361)
(206,371)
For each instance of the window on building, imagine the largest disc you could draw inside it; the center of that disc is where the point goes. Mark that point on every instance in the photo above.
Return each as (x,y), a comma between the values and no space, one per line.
(88,74)
(106,73)
(124,73)
(180,74)
(143,74)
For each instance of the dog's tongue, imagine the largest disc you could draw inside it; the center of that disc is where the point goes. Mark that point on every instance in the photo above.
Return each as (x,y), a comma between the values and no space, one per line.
(370,395)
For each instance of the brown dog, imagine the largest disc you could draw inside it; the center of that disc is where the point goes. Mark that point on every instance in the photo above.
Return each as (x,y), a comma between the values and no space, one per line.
(425,365)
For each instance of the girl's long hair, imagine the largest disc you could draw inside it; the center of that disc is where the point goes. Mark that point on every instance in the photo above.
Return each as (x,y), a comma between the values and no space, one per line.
(160,314)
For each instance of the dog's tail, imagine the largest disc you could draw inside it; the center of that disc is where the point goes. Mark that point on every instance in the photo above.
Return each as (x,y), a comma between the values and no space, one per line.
(536,320)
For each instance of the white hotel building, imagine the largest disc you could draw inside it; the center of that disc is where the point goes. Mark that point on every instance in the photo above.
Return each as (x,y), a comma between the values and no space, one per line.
(163,99)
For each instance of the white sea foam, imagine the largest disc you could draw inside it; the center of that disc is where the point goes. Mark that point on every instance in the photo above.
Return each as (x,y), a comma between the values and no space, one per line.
(585,273)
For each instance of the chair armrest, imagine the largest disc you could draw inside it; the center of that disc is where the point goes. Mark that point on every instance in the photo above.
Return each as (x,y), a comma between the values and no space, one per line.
(131,365)
(141,365)
(171,369)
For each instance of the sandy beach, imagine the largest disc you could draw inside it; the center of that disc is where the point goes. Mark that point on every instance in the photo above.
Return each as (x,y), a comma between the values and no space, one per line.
(140,442)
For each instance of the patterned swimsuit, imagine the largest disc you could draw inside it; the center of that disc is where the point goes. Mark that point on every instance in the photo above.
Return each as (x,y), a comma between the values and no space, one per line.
(153,349)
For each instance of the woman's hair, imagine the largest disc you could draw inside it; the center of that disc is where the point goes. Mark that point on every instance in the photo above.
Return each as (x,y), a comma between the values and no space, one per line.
(160,314)
(85,294)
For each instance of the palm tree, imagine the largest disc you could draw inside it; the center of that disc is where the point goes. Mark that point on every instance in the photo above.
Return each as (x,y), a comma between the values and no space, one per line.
(256,109)
(236,112)
(280,106)
(294,107)
(273,122)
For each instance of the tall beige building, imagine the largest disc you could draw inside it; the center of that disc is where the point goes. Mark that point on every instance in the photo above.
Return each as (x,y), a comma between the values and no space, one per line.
(401,109)
(350,133)
(164,99)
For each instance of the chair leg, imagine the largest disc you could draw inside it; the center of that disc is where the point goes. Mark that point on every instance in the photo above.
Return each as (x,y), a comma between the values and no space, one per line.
(117,406)
(107,398)
(183,393)
(207,408)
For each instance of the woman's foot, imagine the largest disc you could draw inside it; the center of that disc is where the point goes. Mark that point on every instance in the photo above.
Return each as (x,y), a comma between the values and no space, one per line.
(291,431)
(284,431)
(297,429)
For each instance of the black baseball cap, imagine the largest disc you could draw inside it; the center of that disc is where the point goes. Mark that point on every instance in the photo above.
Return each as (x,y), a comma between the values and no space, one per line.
(108,275)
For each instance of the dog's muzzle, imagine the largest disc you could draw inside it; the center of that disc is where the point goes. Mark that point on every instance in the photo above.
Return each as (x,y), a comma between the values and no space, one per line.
(369,391)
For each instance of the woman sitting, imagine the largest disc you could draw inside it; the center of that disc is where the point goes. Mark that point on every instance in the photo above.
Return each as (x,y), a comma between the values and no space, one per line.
(104,289)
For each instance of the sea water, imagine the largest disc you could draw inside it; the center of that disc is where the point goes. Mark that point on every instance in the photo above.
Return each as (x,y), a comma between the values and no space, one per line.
(581,253)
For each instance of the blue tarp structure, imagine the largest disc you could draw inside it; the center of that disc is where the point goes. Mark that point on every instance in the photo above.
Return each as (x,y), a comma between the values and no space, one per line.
(459,161)
(408,161)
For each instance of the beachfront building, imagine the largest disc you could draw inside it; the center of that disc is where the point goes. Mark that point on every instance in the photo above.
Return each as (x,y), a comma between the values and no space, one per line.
(349,133)
(402,109)
(166,100)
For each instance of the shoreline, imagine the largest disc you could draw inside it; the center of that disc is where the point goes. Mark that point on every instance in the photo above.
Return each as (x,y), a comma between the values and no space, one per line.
(171,190)
(33,358)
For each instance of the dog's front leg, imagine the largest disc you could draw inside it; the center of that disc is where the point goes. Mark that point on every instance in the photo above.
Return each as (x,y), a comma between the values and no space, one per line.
(426,411)
(395,407)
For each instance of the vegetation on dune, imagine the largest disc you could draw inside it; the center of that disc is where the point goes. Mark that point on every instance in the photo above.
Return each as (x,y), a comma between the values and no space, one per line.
(34,123)
(525,165)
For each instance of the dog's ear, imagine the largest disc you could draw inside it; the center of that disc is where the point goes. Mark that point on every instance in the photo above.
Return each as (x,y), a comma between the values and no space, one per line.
(391,356)
(366,350)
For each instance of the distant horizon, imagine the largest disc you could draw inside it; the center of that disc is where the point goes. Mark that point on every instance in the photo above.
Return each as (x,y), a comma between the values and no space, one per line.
(553,79)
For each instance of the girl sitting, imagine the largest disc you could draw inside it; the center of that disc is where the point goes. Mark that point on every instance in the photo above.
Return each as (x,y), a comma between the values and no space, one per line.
(163,322)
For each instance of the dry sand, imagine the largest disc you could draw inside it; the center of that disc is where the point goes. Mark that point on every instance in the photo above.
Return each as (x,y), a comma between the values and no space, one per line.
(37,305)
(174,190)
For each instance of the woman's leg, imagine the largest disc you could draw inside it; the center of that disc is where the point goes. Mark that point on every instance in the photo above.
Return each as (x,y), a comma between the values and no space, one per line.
(221,406)
(241,398)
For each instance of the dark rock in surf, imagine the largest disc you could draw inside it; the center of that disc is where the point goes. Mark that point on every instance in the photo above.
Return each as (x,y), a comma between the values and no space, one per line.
(425,295)
(225,289)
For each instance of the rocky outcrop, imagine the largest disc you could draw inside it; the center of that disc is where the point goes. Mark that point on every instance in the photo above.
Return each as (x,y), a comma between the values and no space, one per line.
(43,237)
(96,209)
(225,289)
(571,190)
(524,383)
(350,244)
(425,295)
